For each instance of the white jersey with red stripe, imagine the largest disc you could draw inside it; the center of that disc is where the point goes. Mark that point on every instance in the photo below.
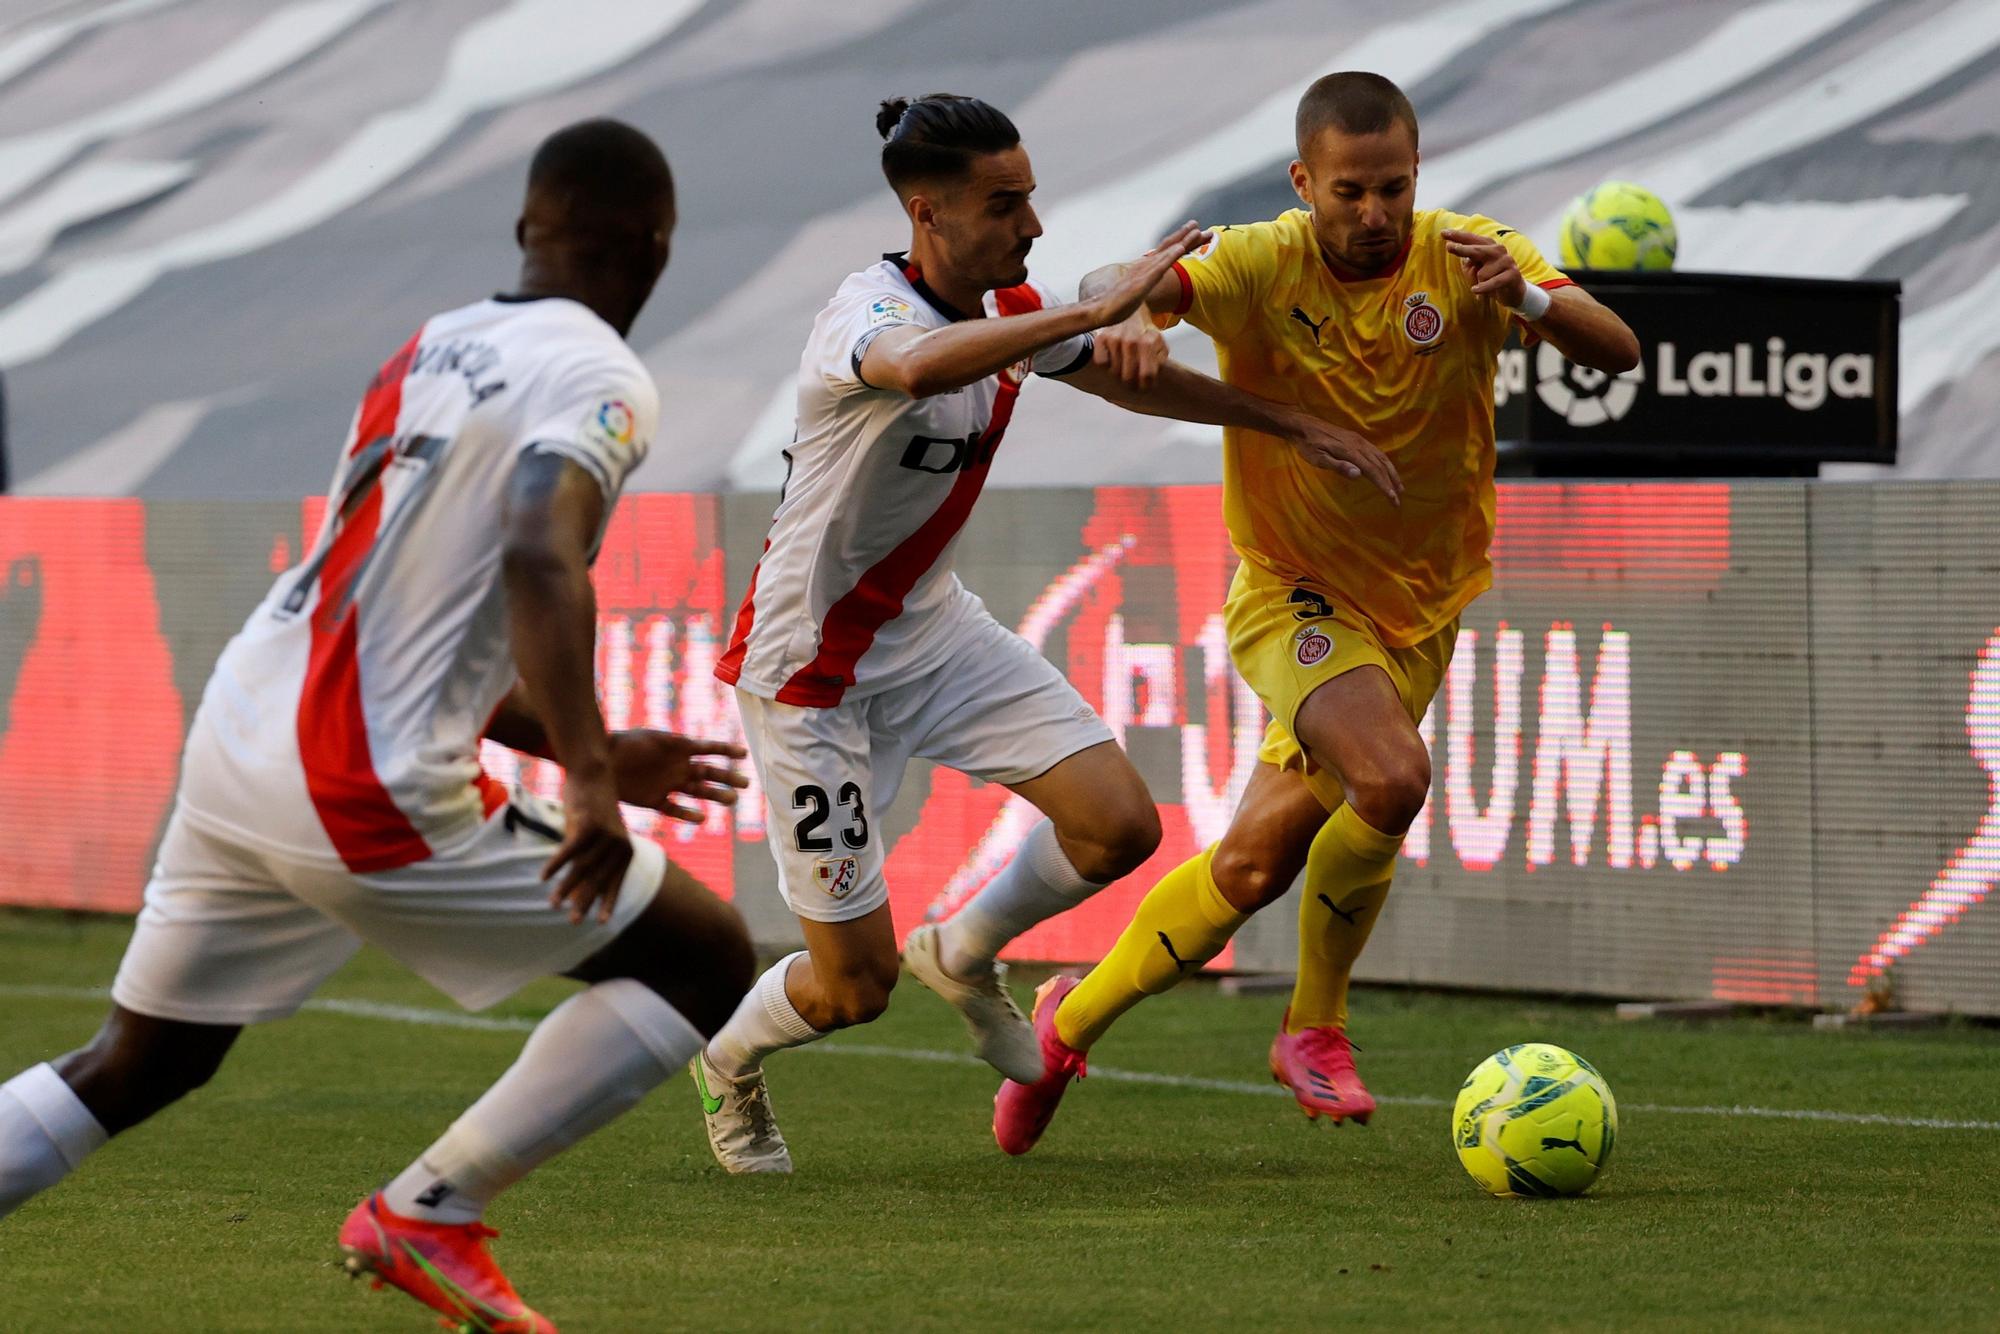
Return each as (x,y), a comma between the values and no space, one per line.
(342,724)
(855,592)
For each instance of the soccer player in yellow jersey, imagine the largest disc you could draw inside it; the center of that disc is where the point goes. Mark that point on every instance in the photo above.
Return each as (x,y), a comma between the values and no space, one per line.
(1385,320)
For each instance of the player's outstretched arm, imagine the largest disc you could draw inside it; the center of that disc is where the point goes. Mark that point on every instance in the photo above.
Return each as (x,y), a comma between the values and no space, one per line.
(553,513)
(1133,348)
(1582,328)
(653,768)
(1588,332)
(921,363)
(1187,395)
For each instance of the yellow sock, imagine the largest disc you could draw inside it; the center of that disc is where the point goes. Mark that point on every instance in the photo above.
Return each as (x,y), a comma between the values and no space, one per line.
(1347,878)
(1181,924)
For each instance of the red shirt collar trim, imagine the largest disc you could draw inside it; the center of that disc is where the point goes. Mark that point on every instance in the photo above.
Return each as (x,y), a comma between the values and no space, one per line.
(915,277)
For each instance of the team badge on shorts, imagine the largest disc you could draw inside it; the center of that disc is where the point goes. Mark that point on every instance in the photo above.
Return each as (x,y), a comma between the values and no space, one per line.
(1311,645)
(837,875)
(1422,321)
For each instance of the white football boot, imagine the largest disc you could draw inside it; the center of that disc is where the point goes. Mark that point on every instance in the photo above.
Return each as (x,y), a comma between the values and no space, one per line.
(1001,1034)
(741,1129)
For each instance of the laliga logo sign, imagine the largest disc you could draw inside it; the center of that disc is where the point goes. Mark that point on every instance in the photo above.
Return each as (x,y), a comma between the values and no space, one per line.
(1582,395)
(1802,379)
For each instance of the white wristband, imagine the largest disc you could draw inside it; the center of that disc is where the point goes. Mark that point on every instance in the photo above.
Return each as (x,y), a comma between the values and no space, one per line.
(1535,303)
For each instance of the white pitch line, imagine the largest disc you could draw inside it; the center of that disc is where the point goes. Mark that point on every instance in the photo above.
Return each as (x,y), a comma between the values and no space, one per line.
(430,1018)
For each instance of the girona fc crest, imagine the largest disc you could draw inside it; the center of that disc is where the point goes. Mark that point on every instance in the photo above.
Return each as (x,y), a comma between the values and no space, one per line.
(1311,645)
(1422,321)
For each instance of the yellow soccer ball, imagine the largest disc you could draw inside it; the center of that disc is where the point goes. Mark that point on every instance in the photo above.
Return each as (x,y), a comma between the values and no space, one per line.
(1534,1120)
(1618,225)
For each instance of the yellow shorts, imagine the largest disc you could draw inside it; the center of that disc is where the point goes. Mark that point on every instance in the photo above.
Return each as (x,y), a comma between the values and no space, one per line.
(1289,640)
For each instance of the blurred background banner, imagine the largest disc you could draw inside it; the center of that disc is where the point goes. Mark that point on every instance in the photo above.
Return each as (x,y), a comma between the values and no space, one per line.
(1732,740)
(217,216)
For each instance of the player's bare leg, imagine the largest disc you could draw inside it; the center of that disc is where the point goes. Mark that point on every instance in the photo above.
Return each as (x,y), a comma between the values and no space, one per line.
(1356,729)
(667,980)
(1102,825)
(1259,857)
(52,1115)
(1184,921)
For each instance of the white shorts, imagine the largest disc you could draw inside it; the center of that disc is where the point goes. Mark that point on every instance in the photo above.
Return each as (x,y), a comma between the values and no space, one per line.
(233,935)
(995,709)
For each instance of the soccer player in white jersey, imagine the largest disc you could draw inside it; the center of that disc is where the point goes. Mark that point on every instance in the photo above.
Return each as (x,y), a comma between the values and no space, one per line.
(858,648)
(331,791)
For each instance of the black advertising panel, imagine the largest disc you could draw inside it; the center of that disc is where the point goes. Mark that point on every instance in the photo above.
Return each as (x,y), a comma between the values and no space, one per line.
(1737,374)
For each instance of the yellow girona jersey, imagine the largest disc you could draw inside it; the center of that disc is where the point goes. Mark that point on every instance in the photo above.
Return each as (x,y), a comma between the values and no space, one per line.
(1406,359)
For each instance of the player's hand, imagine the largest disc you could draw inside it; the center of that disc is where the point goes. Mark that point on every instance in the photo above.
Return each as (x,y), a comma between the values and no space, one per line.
(656,769)
(1133,349)
(1129,293)
(1489,266)
(1337,449)
(595,852)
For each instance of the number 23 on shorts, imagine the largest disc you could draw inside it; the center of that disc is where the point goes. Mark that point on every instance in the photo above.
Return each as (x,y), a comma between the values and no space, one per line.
(812,798)
(837,876)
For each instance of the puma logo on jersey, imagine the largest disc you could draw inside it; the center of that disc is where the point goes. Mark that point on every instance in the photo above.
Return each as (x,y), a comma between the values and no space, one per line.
(1314,325)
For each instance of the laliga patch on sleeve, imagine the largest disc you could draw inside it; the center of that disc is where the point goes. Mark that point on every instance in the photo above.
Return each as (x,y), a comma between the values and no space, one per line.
(890,310)
(611,424)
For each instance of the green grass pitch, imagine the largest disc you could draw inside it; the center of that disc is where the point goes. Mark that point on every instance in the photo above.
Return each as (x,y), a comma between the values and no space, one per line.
(1150,1206)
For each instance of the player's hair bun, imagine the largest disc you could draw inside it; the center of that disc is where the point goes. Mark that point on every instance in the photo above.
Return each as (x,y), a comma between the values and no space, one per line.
(890,114)
(935,137)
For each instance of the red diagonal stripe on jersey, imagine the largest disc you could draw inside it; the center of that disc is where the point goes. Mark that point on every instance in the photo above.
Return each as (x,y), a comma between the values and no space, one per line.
(877,599)
(366,826)
(383,402)
(730,668)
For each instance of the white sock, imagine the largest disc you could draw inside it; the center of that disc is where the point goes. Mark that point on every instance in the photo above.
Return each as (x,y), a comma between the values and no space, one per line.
(45,1133)
(765,1021)
(1039,883)
(593,1058)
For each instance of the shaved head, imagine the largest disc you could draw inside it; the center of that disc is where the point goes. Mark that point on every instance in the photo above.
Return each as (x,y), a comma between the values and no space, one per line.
(599,177)
(1352,102)
(598,220)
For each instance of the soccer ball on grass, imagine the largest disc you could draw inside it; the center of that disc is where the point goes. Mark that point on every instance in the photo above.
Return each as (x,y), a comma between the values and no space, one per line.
(1618,226)
(1534,1120)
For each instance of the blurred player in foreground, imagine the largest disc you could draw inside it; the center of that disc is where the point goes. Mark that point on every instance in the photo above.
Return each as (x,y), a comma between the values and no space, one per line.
(331,790)
(858,648)
(1385,320)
